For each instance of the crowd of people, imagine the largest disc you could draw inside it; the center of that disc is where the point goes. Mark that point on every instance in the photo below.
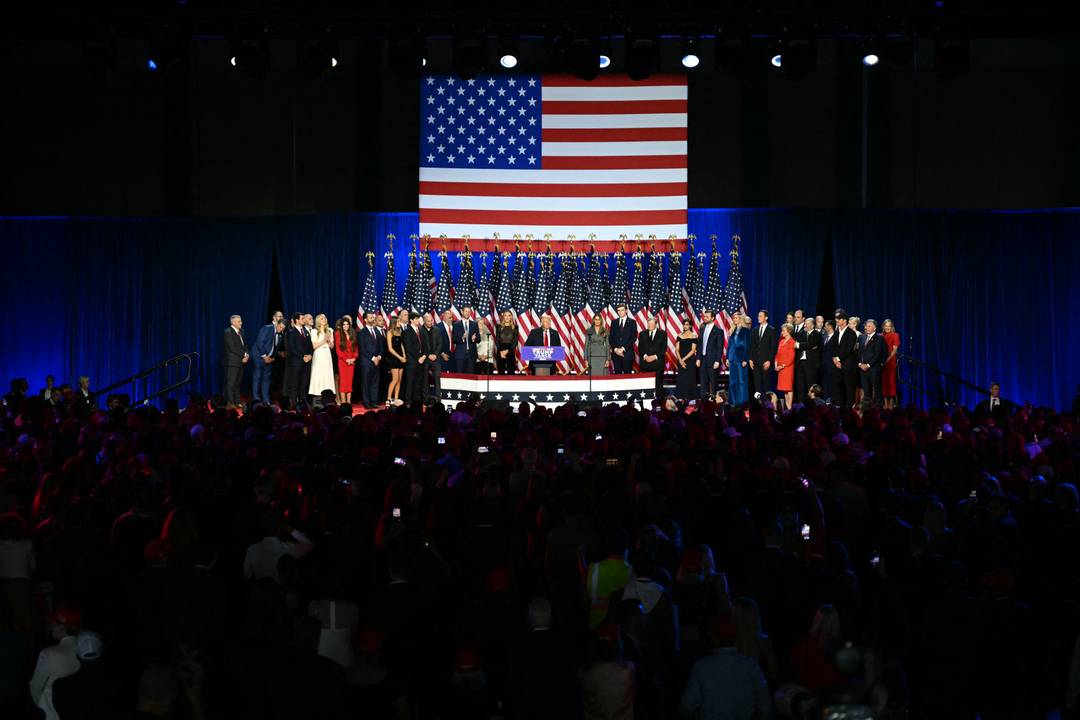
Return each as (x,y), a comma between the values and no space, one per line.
(841,359)
(485,562)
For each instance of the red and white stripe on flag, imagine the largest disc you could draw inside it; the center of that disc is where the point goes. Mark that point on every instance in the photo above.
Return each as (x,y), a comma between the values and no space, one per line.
(605,157)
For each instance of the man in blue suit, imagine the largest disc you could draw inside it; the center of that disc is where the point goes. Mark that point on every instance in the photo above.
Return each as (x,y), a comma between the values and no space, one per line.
(623,335)
(265,356)
(712,350)
(369,345)
(466,335)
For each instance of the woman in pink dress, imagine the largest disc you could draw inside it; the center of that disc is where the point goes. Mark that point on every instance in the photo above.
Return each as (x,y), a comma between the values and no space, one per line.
(888,374)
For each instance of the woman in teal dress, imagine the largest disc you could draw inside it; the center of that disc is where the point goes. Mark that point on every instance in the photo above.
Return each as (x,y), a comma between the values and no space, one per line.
(737,352)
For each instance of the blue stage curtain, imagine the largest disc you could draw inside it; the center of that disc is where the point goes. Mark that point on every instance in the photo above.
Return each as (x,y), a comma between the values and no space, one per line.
(126,294)
(781,254)
(986,296)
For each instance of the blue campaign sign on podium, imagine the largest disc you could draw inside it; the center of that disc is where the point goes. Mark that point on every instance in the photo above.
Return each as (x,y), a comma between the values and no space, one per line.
(543,353)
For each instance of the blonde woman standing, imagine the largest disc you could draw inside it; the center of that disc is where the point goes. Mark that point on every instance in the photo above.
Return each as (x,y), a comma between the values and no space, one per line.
(322,364)
(485,349)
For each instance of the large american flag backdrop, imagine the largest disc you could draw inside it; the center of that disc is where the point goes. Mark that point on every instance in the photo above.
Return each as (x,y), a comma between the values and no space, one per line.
(539,155)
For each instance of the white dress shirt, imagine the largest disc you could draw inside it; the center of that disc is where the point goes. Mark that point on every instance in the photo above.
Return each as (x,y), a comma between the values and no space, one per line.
(54,662)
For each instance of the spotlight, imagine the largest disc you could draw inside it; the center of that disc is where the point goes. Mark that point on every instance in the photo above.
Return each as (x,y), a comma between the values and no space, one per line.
(232,61)
(151,65)
(470,56)
(641,58)
(605,61)
(508,61)
(584,59)
(690,60)
(777,60)
(870,60)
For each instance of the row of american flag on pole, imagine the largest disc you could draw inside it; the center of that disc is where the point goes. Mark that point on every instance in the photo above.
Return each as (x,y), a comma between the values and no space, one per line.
(527,285)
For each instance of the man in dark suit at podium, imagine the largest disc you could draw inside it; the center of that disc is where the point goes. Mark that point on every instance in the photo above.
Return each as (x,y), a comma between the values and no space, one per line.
(652,350)
(624,332)
(543,336)
(234,357)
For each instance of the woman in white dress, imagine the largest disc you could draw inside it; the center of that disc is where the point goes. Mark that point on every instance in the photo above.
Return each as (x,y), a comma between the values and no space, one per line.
(322,364)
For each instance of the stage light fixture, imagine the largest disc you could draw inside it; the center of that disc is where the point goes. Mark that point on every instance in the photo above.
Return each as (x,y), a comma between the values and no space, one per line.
(151,65)
(508,61)
(870,60)
(470,56)
(605,61)
(641,57)
(777,60)
(691,60)
(583,59)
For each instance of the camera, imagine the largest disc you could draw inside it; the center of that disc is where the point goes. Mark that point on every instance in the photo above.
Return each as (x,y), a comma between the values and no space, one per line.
(396,512)
(442,441)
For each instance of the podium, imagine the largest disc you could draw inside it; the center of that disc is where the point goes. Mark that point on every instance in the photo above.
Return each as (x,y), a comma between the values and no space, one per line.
(550,391)
(542,357)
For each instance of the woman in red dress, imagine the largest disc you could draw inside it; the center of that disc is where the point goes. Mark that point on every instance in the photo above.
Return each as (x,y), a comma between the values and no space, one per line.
(347,351)
(888,375)
(785,363)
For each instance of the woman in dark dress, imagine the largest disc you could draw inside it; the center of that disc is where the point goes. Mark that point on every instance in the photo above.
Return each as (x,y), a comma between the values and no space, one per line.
(686,385)
(506,338)
(395,362)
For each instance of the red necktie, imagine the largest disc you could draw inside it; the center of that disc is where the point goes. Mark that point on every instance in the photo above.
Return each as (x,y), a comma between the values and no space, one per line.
(547,339)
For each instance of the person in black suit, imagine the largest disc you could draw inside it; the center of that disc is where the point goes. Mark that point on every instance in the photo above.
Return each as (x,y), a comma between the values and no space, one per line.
(763,342)
(277,368)
(435,345)
(828,372)
(996,406)
(298,352)
(415,358)
(652,351)
(872,354)
(234,356)
(845,360)
(623,333)
(370,357)
(543,336)
(807,359)
(799,323)
(710,354)
(466,335)
(445,330)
